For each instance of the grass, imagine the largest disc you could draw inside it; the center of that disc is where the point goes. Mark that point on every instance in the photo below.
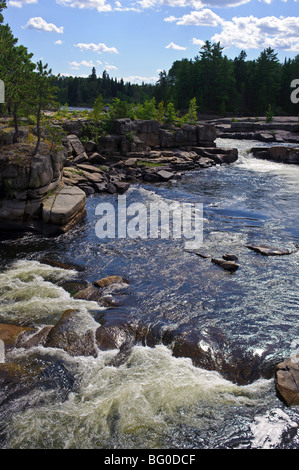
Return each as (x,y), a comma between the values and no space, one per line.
(149,164)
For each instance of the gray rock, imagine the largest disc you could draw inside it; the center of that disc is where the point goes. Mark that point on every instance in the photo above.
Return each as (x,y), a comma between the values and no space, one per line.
(268,251)
(165,175)
(59,209)
(227,265)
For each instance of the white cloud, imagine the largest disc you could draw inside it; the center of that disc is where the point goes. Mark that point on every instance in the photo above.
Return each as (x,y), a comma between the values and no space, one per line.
(58,42)
(20,3)
(196,4)
(138,79)
(259,33)
(171,45)
(198,42)
(109,67)
(76,65)
(40,24)
(99,5)
(99,48)
(205,17)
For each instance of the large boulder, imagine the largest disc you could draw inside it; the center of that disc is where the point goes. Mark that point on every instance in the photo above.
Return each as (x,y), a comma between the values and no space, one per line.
(73,333)
(64,209)
(287,380)
(25,180)
(10,334)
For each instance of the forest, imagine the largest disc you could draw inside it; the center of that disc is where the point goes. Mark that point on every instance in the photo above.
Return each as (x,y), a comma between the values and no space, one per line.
(211,83)
(220,85)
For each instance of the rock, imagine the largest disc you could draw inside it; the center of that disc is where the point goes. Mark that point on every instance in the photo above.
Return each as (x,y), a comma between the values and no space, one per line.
(227,265)
(74,334)
(97,158)
(123,126)
(64,209)
(59,264)
(89,168)
(9,334)
(287,380)
(122,335)
(81,158)
(76,145)
(268,251)
(106,281)
(281,154)
(34,340)
(165,175)
(100,187)
(87,189)
(111,188)
(230,257)
(121,187)
(148,132)
(90,146)
(89,293)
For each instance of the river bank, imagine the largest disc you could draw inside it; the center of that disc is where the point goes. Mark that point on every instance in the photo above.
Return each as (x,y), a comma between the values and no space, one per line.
(173,305)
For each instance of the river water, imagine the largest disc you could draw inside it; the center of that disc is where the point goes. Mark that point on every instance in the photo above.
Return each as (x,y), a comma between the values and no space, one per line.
(153,399)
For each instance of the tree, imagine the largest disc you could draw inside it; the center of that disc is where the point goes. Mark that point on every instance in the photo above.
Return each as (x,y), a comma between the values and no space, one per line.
(267,79)
(42,95)
(2,7)
(15,70)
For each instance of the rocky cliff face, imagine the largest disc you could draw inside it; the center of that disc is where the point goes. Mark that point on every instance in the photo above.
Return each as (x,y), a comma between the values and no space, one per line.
(28,183)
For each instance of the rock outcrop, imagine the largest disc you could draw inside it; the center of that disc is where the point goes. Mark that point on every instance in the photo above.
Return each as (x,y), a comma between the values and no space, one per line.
(47,192)
(32,193)
(287,380)
(277,154)
(281,129)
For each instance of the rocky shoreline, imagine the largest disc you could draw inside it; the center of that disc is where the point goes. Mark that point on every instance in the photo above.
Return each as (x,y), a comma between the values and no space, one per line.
(47,193)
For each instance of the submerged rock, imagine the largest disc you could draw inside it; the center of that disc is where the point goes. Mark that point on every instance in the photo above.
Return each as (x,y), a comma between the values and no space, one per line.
(107,281)
(268,251)
(230,257)
(227,265)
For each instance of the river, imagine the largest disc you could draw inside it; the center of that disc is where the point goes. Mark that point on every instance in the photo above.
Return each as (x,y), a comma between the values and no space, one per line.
(153,399)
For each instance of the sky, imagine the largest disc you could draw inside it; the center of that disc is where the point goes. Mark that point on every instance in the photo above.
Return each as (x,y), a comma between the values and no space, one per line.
(137,39)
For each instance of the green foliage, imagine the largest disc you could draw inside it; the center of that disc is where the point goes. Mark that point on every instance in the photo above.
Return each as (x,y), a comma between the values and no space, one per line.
(171,114)
(97,111)
(161,112)
(147,111)
(191,116)
(269,114)
(42,95)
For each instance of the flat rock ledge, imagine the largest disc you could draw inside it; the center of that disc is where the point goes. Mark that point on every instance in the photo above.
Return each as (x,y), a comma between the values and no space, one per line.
(277,154)
(63,210)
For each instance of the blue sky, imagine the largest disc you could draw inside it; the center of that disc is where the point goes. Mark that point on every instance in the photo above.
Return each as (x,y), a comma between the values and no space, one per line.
(136,39)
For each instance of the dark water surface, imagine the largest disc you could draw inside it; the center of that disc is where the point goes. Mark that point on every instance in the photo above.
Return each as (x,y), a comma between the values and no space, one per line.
(154,399)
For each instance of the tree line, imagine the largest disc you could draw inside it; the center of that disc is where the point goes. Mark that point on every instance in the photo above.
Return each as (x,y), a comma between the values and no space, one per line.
(219,84)
(211,83)
(235,86)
